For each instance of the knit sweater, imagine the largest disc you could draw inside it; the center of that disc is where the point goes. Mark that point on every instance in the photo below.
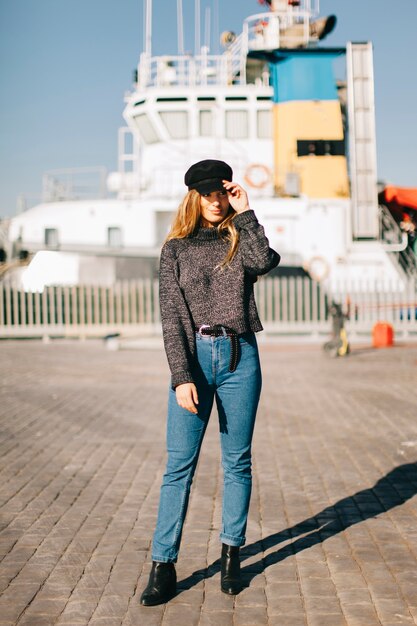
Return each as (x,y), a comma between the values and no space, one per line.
(194,290)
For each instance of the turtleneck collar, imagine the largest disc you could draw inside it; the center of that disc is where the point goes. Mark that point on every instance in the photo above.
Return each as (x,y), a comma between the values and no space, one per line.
(206,234)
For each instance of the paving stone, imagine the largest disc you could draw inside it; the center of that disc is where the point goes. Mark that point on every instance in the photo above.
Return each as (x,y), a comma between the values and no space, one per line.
(112,606)
(193,597)
(314,587)
(287,620)
(10,612)
(18,595)
(215,600)
(322,604)
(352,580)
(216,618)
(251,580)
(30,619)
(51,607)
(408,591)
(181,614)
(149,615)
(328,619)
(104,621)
(119,587)
(250,616)
(389,609)
(91,579)
(354,596)
(282,589)
(254,596)
(331,530)
(357,614)
(79,609)
(68,620)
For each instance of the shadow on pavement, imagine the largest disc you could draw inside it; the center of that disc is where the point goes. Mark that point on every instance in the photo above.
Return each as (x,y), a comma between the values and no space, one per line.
(393,489)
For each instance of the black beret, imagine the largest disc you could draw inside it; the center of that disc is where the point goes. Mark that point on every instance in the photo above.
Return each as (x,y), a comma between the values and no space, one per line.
(208,175)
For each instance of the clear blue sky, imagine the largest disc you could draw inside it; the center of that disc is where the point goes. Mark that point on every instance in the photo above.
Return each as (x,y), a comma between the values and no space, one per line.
(65,66)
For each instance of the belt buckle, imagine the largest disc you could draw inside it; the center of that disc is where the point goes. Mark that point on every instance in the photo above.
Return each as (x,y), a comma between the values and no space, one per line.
(201,328)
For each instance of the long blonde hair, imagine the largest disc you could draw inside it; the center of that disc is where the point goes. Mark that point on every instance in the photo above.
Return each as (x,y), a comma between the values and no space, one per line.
(188,218)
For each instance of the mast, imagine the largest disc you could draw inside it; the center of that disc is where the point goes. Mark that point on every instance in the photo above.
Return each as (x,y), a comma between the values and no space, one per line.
(148,28)
(207,28)
(197,27)
(180,28)
(216,27)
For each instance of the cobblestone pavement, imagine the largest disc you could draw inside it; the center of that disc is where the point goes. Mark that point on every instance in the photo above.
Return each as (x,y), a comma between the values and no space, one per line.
(332,536)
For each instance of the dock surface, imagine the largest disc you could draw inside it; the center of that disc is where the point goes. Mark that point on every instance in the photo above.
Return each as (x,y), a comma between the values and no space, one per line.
(332,533)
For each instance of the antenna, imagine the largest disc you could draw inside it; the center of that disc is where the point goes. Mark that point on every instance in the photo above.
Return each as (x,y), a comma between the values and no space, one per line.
(216,27)
(148,28)
(207,25)
(197,26)
(180,28)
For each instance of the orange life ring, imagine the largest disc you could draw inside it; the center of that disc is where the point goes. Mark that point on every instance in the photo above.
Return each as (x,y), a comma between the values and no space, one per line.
(318,268)
(257,175)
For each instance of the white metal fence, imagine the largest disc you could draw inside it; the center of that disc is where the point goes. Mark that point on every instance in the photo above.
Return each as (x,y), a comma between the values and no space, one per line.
(286,306)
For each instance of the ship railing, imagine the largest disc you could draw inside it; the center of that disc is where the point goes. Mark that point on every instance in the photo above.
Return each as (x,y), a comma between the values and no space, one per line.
(237,53)
(74,184)
(287,306)
(272,30)
(190,71)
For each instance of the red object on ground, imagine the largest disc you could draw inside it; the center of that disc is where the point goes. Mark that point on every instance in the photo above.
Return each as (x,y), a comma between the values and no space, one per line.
(382,335)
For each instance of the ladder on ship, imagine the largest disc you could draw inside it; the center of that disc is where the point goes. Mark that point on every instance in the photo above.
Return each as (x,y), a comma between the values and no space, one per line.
(369,221)
(362,140)
(236,55)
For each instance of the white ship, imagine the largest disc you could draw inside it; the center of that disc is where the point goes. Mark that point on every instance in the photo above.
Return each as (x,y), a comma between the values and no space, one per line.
(302,142)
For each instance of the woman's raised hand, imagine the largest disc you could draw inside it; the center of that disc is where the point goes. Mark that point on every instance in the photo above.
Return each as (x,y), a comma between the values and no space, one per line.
(187,397)
(238,198)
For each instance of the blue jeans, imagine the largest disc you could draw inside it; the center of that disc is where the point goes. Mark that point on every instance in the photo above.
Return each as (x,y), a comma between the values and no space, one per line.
(237,396)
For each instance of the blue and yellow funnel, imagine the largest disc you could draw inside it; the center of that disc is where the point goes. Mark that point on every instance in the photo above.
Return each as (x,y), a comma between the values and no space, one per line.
(309,142)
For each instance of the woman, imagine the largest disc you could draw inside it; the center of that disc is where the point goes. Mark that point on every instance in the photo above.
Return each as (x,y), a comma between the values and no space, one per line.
(212,256)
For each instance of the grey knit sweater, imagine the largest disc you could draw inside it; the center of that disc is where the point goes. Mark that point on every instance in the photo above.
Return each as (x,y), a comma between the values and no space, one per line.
(194,291)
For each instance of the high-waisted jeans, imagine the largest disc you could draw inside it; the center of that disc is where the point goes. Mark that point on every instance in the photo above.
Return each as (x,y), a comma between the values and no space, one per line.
(237,396)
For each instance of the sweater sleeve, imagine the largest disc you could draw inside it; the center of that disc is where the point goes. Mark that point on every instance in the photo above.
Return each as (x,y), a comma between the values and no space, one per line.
(177,326)
(258,257)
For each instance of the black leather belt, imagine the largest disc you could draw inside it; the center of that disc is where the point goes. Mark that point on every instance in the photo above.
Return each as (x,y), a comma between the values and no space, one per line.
(223,331)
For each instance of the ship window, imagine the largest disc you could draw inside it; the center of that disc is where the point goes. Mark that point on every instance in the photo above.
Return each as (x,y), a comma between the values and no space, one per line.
(176,123)
(264,124)
(51,237)
(146,128)
(114,237)
(236,98)
(320,147)
(206,99)
(236,124)
(206,123)
(171,99)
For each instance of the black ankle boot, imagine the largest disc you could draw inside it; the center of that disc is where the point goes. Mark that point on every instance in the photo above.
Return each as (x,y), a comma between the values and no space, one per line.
(230,581)
(162,585)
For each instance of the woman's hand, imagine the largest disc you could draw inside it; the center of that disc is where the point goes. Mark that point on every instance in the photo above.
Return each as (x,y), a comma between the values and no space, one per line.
(238,198)
(187,397)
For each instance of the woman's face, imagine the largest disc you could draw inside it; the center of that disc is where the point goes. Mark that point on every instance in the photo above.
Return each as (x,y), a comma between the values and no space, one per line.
(214,207)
